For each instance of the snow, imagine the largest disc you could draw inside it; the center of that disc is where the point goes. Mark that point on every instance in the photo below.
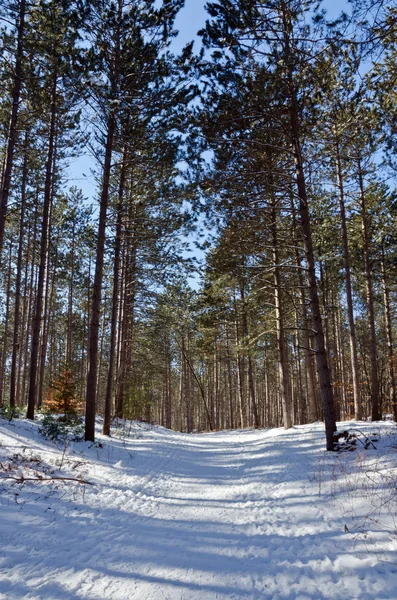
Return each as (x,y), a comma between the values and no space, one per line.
(231,515)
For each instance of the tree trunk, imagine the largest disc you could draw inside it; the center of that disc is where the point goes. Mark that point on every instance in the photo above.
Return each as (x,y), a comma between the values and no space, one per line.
(6,327)
(312,407)
(370,300)
(15,343)
(321,355)
(281,349)
(69,334)
(348,288)
(304,214)
(13,131)
(48,297)
(245,332)
(91,390)
(115,306)
(32,398)
(30,307)
(389,337)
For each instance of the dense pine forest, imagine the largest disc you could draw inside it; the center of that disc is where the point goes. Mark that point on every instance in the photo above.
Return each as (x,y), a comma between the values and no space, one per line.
(237,264)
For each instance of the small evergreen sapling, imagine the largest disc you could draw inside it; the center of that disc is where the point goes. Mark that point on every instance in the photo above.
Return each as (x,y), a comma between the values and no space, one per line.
(62,410)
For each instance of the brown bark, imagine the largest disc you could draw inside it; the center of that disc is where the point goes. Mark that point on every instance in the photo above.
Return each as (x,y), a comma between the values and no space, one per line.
(15,341)
(389,337)
(32,397)
(4,350)
(285,389)
(115,306)
(250,373)
(48,301)
(30,307)
(312,407)
(348,287)
(321,356)
(375,413)
(128,308)
(68,354)
(91,390)
(13,131)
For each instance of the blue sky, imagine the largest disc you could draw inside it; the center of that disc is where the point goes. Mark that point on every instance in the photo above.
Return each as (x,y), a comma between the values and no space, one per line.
(192,17)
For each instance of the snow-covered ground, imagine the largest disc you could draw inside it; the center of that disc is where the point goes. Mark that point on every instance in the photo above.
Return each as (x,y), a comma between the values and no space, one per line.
(231,515)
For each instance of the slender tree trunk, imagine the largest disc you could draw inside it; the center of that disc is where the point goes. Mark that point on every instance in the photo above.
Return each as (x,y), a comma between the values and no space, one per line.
(389,337)
(69,334)
(281,349)
(30,307)
(32,398)
(91,391)
(245,332)
(6,327)
(101,347)
(312,407)
(15,342)
(128,312)
(168,389)
(230,379)
(25,308)
(13,131)
(370,300)
(240,376)
(115,305)
(304,214)
(348,288)
(321,355)
(48,298)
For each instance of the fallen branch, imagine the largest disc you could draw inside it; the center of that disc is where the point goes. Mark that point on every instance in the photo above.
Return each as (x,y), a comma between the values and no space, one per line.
(45,479)
(369,442)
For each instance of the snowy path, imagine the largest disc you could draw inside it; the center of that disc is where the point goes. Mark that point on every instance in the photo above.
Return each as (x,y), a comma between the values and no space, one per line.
(232,515)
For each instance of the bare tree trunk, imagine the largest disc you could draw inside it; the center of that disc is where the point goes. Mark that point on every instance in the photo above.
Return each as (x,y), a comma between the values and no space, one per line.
(304,214)
(30,307)
(370,300)
(389,336)
(6,327)
(48,297)
(13,131)
(321,355)
(307,347)
(245,332)
(168,389)
(348,288)
(240,377)
(68,354)
(91,390)
(25,308)
(32,398)
(285,395)
(101,346)
(128,313)
(230,379)
(115,306)
(15,343)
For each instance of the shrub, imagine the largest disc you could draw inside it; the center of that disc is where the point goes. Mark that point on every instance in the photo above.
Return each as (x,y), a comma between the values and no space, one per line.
(10,413)
(62,409)
(62,428)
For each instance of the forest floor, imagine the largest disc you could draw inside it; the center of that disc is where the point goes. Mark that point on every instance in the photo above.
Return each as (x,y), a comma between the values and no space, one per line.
(165,516)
